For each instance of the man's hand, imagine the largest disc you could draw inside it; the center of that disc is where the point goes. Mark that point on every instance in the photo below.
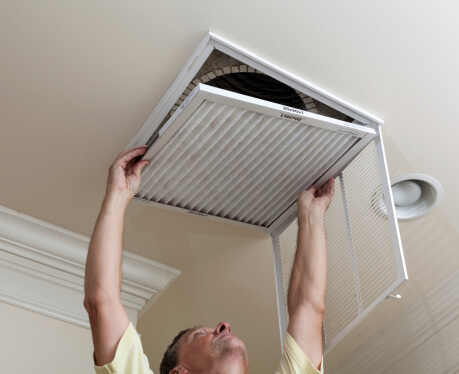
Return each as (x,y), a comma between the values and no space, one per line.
(315,203)
(124,173)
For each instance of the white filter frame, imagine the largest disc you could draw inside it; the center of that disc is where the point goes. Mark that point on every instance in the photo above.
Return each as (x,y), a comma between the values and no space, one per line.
(203,92)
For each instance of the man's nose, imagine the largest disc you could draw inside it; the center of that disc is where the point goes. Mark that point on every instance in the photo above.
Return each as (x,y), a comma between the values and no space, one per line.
(222,326)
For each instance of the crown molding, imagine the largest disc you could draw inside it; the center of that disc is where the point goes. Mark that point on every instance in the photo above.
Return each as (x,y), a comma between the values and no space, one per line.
(42,269)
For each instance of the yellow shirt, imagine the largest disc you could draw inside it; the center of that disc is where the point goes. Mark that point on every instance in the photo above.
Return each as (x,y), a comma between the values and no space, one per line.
(130,359)
(294,361)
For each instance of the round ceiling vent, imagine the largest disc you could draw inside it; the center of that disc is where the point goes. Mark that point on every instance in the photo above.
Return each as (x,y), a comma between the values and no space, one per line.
(415,195)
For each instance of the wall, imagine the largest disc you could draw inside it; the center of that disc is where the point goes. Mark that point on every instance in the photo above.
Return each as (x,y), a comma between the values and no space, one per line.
(34,343)
(227,275)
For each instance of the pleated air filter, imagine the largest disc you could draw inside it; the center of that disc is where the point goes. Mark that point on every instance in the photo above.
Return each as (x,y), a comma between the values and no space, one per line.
(238,158)
(240,148)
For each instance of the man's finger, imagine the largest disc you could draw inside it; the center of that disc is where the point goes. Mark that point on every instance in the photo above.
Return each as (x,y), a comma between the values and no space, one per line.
(129,166)
(327,189)
(129,154)
(332,188)
(139,165)
(129,150)
(324,189)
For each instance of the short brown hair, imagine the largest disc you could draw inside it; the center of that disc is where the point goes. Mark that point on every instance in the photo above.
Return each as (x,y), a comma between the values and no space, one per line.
(170,358)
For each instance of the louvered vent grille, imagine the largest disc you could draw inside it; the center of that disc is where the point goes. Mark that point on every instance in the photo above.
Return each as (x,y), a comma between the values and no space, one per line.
(341,300)
(371,235)
(361,261)
(237,163)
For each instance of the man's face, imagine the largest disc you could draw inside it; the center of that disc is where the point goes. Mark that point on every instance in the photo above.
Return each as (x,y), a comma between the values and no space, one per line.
(206,350)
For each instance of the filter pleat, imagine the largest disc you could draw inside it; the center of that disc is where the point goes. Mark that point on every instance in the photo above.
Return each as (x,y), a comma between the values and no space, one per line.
(278,177)
(331,153)
(208,146)
(258,183)
(253,133)
(229,173)
(289,176)
(316,170)
(159,164)
(204,133)
(224,175)
(233,187)
(287,183)
(237,188)
(201,181)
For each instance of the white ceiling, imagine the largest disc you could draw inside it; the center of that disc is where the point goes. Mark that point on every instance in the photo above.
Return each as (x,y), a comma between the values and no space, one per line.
(78,79)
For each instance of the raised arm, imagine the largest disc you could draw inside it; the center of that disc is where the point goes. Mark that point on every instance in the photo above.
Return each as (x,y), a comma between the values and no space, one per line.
(102,284)
(306,294)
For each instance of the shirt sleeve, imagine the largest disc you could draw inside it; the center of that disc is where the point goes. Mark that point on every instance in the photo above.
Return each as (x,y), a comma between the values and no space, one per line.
(294,360)
(129,356)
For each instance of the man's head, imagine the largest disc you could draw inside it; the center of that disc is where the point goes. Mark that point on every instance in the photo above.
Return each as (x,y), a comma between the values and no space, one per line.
(205,350)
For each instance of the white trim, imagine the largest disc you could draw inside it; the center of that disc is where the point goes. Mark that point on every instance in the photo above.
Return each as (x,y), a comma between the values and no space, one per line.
(45,309)
(42,269)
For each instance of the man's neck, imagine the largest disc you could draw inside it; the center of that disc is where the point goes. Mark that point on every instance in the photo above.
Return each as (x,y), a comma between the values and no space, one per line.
(231,366)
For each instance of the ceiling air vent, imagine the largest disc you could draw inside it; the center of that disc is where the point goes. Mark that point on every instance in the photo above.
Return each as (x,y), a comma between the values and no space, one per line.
(236,138)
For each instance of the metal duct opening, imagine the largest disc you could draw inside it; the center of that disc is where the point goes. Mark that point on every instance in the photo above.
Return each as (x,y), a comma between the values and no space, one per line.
(223,71)
(259,86)
(227,73)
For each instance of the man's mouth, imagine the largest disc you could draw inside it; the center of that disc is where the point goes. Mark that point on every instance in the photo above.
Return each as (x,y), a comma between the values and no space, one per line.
(223,334)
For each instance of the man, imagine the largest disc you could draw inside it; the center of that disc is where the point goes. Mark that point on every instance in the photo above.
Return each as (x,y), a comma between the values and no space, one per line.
(117,346)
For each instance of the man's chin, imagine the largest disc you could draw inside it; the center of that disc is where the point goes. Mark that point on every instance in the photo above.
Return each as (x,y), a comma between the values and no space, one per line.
(233,346)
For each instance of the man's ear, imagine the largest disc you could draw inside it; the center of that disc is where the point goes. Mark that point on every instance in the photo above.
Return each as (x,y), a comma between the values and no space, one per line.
(179,369)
